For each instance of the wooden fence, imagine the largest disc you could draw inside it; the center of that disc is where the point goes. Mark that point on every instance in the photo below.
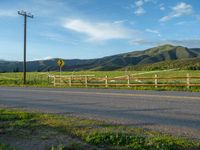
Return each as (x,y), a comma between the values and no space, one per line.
(125,81)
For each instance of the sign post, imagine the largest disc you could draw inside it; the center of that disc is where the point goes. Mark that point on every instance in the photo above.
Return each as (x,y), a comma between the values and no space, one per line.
(60,63)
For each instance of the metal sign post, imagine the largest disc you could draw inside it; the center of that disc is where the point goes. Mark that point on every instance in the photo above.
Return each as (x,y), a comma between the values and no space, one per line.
(60,63)
(60,71)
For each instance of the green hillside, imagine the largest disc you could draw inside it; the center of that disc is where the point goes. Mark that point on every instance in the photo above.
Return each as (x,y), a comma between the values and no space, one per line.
(161,57)
(184,64)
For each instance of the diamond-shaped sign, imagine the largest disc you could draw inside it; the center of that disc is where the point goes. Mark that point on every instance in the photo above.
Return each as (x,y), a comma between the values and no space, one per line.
(60,63)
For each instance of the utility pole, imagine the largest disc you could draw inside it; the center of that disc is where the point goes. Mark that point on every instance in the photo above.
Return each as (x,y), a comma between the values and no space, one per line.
(25,14)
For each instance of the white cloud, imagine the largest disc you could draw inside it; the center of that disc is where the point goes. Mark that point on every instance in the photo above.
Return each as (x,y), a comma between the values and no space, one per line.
(181,9)
(139,4)
(8,13)
(153,31)
(99,31)
(48,57)
(137,42)
(162,7)
(119,21)
(191,43)
(180,23)
(139,11)
(44,58)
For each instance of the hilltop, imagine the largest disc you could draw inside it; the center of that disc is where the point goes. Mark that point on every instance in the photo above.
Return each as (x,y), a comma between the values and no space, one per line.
(161,57)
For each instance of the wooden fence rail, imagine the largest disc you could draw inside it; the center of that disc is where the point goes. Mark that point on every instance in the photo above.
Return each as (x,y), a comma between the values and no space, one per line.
(125,81)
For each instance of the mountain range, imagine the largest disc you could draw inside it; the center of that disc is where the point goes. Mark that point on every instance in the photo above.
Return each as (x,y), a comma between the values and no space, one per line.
(161,57)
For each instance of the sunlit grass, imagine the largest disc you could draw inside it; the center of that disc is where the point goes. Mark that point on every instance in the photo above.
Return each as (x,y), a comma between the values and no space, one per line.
(92,132)
(41,79)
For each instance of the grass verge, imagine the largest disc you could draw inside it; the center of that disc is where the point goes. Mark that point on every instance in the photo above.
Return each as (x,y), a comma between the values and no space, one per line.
(23,130)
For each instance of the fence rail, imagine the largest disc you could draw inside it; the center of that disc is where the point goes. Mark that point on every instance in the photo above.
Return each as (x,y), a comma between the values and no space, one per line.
(125,81)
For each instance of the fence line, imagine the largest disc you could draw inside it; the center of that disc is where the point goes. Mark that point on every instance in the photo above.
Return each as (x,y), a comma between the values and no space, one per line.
(125,81)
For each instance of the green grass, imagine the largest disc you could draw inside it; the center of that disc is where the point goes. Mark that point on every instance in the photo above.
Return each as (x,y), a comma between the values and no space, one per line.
(33,78)
(6,147)
(41,78)
(89,134)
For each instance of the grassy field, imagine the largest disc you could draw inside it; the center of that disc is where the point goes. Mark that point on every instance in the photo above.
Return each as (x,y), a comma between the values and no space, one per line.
(20,129)
(41,78)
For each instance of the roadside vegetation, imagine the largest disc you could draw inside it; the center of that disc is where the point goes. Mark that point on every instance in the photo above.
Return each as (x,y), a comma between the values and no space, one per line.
(20,129)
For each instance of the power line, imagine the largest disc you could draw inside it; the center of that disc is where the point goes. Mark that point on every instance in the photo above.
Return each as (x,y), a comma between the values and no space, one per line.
(25,14)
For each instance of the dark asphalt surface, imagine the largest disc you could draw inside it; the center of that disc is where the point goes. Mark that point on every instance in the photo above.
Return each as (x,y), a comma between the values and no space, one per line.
(172,112)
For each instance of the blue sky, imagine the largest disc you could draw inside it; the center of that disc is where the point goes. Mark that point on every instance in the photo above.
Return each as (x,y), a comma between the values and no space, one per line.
(96,28)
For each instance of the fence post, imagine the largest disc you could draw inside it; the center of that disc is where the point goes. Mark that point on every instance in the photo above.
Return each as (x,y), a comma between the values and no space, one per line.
(54,80)
(156,80)
(128,80)
(70,82)
(106,81)
(86,81)
(188,80)
(47,79)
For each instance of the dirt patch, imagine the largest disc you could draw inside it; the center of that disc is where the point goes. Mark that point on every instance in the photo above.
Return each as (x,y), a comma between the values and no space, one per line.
(39,140)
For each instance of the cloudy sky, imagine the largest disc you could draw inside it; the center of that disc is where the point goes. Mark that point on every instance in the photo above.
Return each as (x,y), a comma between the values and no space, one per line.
(96,28)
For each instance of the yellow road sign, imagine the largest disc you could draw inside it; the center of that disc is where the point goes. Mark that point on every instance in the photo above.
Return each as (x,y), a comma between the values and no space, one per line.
(60,63)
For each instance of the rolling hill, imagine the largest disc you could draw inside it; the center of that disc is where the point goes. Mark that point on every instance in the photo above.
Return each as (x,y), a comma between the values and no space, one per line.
(161,57)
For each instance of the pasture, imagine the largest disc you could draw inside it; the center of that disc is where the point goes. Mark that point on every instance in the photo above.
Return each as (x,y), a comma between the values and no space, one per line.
(42,79)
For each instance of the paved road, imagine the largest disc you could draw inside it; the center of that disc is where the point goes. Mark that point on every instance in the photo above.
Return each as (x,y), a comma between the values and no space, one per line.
(171,112)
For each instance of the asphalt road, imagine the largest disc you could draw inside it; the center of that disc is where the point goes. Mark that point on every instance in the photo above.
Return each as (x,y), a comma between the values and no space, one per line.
(171,112)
